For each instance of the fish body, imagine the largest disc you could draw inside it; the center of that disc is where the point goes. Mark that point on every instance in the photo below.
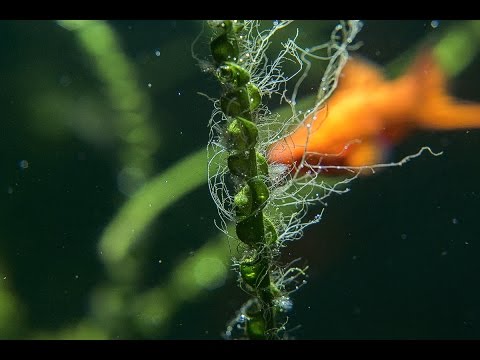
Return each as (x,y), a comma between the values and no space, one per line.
(368,114)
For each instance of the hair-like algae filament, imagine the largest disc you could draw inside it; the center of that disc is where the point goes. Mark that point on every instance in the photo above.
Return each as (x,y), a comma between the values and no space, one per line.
(238,102)
(240,64)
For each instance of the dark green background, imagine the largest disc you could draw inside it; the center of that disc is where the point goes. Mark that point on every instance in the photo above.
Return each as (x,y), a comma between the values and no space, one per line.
(387,261)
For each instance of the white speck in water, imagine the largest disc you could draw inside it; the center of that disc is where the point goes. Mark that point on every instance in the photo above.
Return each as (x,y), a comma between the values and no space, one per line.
(181,132)
(23,164)
(149,85)
(179,93)
(4,278)
(157,52)
(403,236)
(454,221)
(76,276)
(160,261)
(434,23)
(150,205)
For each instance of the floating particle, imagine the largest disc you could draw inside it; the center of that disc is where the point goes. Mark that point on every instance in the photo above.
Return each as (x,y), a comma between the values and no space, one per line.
(23,164)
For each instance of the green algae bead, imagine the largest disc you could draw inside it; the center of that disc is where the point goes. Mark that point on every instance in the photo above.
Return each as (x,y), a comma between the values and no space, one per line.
(236,102)
(256,328)
(239,165)
(241,134)
(254,96)
(262,165)
(243,201)
(224,48)
(231,73)
(250,230)
(260,193)
(255,273)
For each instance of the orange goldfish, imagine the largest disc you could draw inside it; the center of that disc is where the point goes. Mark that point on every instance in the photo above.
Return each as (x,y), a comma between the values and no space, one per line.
(368,114)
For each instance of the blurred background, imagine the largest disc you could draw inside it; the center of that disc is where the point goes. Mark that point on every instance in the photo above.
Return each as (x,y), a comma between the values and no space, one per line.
(107,226)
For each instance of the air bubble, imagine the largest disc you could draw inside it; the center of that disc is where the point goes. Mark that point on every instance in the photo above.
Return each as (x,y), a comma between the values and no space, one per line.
(284,303)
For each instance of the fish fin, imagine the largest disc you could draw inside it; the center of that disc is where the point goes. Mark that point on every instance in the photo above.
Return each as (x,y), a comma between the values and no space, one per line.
(437,110)
(367,153)
(360,73)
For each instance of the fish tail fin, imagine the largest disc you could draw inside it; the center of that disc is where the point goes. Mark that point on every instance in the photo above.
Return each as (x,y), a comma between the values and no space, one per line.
(437,110)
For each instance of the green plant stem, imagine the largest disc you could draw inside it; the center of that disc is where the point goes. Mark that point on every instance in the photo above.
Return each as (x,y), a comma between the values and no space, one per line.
(134,217)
